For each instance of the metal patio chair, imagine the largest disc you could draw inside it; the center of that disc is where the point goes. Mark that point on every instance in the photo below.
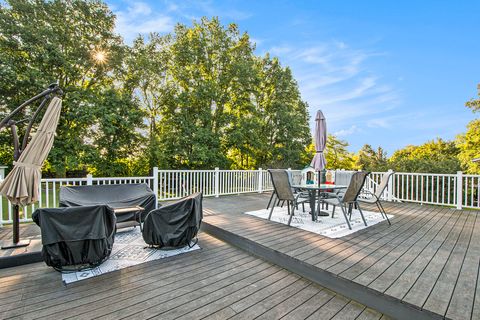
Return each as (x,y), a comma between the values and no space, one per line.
(283,191)
(375,197)
(295,178)
(350,196)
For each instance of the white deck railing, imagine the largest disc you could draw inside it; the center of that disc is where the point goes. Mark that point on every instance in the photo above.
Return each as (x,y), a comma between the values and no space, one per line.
(458,190)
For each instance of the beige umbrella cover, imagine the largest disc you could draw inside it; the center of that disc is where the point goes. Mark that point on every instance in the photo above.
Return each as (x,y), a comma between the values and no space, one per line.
(21,184)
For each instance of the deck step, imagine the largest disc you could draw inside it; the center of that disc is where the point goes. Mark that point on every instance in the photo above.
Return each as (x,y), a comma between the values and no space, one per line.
(384,303)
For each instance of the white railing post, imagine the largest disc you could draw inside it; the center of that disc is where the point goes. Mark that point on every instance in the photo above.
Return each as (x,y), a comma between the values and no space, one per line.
(390,186)
(155,185)
(459,189)
(260,180)
(217,179)
(89,179)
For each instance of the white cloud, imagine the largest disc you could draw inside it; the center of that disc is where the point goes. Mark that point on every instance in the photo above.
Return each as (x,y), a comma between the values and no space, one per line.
(379,122)
(336,78)
(139,18)
(346,132)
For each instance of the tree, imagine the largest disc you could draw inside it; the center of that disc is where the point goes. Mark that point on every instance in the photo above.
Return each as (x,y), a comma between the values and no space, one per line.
(469,146)
(371,160)
(213,103)
(195,98)
(469,143)
(284,133)
(436,156)
(151,85)
(203,66)
(474,104)
(115,139)
(71,42)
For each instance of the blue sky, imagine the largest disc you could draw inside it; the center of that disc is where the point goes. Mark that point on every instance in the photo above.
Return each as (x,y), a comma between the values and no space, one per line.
(386,73)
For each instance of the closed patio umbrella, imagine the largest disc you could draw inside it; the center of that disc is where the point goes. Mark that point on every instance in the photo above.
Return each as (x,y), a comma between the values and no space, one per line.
(318,162)
(21,184)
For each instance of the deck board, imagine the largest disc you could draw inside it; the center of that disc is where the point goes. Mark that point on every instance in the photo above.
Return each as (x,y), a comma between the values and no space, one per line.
(416,265)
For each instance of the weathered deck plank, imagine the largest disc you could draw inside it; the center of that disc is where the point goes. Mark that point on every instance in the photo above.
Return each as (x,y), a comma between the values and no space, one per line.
(463,297)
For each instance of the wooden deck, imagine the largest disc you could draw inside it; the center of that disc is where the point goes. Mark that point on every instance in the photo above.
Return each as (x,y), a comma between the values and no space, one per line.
(217,282)
(425,265)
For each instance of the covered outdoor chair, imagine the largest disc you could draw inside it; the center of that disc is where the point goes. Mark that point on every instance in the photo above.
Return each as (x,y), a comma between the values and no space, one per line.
(375,197)
(174,225)
(283,191)
(350,196)
(76,238)
(117,196)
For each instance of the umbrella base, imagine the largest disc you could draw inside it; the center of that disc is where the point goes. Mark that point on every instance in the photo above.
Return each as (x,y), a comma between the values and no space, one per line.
(19,244)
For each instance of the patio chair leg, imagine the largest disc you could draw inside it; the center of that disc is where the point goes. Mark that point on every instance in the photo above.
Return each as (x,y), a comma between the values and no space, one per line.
(271,211)
(303,206)
(361,213)
(290,213)
(271,198)
(283,202)
(350,212)
(333,210)
(346,219)
(380,209)
(385,213)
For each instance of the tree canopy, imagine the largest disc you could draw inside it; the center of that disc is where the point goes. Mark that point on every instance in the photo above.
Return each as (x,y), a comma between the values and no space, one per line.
(469,143)
(436,156)
(197,97)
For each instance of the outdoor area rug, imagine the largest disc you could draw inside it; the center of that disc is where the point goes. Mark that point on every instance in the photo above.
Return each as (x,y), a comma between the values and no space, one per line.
(326,226)
(129,249)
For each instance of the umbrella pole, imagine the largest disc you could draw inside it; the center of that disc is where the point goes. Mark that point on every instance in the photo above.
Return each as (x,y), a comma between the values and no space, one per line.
(16,243)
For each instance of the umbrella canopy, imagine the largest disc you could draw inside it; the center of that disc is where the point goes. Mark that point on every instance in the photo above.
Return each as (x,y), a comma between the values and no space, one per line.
(21,184)
(318,162)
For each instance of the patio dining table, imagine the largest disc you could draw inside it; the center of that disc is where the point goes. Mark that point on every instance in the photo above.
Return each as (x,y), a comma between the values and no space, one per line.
(315,192)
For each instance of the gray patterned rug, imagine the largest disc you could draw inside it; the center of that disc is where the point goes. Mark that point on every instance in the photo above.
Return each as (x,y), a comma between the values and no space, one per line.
(326,226)
(129,249)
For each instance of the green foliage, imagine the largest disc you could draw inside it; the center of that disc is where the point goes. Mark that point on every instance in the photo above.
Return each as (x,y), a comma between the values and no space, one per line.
(212,103)
(195,98)
(437,156)
(469,143)
(283,131)
(474,104)
(337,155)
(371,160)
(469,146)
(48,41)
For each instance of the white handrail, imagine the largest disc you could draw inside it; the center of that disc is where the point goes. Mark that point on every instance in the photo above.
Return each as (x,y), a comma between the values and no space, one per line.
(457,190)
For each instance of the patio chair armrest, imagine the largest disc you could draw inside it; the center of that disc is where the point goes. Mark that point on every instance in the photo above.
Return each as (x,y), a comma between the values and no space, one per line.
(371,193)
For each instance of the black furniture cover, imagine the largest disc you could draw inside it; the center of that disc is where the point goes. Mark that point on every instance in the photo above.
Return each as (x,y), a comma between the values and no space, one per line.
(76,236)
(174,225)
(114,195)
